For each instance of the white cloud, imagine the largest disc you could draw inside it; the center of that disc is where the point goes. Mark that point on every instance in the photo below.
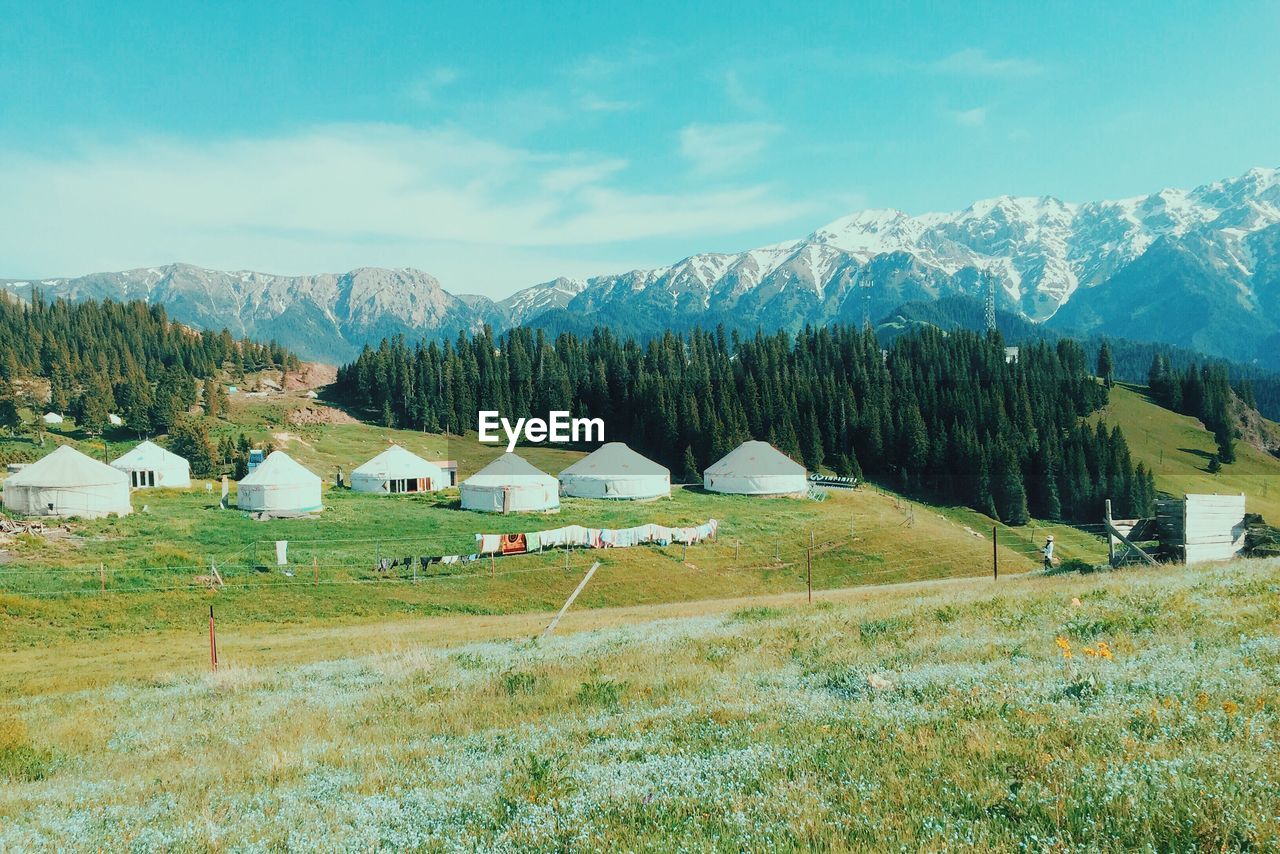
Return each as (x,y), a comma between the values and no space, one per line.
(740,96)
(337,197)
(425,87)
(972,118)
(976,62)
(725,148)
(597,104)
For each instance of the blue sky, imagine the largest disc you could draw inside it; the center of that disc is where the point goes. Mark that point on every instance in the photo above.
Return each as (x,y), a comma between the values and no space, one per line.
(497,145)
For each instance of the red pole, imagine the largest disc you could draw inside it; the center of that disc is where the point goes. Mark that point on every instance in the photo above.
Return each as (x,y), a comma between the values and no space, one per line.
(213,643)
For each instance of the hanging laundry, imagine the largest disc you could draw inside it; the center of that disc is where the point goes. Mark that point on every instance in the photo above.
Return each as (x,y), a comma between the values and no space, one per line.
(533,541)
(489,543)
(513,544)
(450,559)
(553,539)
(384,564)
(282,552)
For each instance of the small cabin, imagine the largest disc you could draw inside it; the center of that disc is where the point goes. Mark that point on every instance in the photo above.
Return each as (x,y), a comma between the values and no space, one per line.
(450,468)
(1010,355)
(1202,528)
(1193,529)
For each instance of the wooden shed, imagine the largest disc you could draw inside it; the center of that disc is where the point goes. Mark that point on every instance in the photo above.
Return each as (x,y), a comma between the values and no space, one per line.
(1202,528)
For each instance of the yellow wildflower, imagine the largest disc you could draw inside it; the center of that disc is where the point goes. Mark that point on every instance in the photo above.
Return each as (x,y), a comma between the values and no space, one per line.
(1104,650)
(1090,651)
(1064,646)
(1230,707)
(1202,701)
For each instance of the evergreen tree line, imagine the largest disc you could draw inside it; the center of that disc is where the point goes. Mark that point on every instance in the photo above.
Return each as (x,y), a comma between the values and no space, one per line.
(940,415)
(110,357)
(1132,361)
(1202,392)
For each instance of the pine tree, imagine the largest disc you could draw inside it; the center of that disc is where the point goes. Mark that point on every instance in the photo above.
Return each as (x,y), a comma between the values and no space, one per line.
(1106,365)
(10,418)
(190,439)
(1009,492)
(1224,434)
(95,406)
(690,466)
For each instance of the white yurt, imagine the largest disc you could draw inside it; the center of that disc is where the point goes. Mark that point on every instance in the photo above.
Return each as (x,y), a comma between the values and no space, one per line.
(51,418)
(510,485)
(397,470)
(149,465)
(68,483)
(756,468)
(279,484)
(615,471)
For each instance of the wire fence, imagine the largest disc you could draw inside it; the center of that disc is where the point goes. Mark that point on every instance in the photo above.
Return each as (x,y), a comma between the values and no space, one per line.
(840,556)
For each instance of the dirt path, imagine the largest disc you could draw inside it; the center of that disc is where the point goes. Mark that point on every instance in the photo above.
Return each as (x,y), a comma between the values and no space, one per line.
(82,665)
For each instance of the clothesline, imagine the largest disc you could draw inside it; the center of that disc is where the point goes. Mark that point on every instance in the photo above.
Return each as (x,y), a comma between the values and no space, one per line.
(570,536)
(594,538)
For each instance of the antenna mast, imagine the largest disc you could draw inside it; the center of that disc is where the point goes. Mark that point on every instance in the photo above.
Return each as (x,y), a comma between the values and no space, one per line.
(864,282)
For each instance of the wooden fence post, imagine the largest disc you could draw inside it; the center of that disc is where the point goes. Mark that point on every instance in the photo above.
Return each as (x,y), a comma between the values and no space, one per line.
(213,643)
(315,569)
(102,578)
(808,562)
(995,553)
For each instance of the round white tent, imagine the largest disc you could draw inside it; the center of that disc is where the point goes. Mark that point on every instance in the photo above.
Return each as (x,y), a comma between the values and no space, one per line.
(68,483)
(615,471)
(149,465)
(397,470)
(756,468)
(510,485)
(279,485)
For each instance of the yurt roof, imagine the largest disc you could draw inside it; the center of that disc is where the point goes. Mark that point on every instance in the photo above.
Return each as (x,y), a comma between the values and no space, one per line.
(67,467)
(506,469)
(396,458)
(148,455)
(279,467)
(753,459)
(617,460)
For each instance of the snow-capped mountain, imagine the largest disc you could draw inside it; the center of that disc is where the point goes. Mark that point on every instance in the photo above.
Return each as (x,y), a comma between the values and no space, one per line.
(1198,268)
(326,316)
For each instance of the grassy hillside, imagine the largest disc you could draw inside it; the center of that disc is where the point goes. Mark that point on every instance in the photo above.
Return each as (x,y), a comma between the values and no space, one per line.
(150,560)
(934,715)
(1177,448)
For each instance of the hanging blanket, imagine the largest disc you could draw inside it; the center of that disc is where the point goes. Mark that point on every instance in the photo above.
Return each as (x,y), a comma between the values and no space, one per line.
(513,544)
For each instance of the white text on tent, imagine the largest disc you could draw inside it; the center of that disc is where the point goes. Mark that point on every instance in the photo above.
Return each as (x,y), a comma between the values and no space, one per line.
(558,427)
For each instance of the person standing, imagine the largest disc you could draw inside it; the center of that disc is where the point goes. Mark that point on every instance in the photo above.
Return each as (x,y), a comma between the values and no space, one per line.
(1048,553)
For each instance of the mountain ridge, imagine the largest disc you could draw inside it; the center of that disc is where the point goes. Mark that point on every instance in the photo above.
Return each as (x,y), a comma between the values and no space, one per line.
(1197,268)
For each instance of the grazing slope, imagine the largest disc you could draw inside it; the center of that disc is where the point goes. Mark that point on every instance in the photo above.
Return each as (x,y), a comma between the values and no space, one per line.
(1177,449)
(914,717)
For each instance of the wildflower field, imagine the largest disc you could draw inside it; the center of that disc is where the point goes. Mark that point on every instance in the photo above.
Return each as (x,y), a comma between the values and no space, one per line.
(1121,710)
